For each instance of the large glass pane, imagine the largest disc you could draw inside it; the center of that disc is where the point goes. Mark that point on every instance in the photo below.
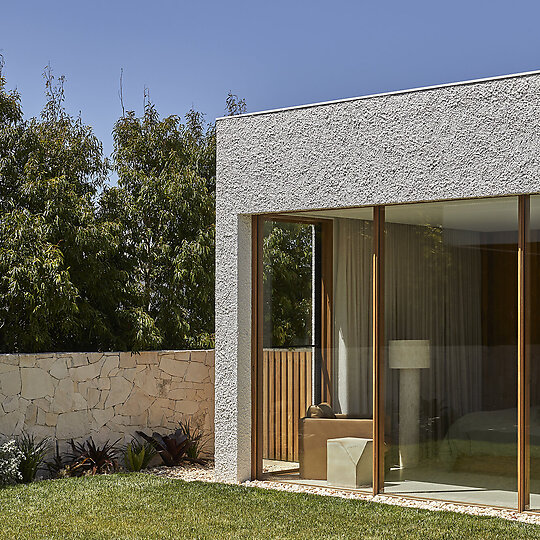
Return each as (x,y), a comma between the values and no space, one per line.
(289,349)
(451,350)
(533,299)
(349,436)
(317,373)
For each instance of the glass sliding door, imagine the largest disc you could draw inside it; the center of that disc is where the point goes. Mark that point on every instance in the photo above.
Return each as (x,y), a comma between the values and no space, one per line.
(533,300)
(291,279)
(451,350)
(317,354)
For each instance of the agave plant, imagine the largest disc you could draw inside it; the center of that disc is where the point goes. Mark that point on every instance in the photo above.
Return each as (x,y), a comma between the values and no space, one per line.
(33,452)
(137,455)
(87,458)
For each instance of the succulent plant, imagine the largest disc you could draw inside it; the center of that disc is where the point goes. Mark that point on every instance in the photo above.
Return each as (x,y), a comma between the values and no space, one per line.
(137,455)
(183,445)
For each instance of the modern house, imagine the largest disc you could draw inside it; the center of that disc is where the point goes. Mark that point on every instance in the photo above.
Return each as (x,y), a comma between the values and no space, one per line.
(421,211)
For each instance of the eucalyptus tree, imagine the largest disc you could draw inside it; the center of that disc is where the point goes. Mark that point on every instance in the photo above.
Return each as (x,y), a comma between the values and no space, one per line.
(89,266)
(54,253)
(165,207)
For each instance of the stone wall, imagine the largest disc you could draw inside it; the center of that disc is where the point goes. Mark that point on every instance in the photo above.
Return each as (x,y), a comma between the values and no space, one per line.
(105,395)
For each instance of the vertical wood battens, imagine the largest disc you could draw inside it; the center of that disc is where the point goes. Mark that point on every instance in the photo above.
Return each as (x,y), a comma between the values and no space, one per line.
(523,357)
(283,405)
(266,407)
(256,347)
(271,405)
(378,344)
(285,373)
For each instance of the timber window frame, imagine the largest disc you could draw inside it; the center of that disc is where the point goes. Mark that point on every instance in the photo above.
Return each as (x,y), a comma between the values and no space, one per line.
(378,295)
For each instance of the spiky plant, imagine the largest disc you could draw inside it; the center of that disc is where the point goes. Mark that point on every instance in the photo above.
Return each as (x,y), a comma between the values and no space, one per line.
(137,455)
(195,435)
(88,459)
(184,444)
(56,464)
(171,448)
(33,451)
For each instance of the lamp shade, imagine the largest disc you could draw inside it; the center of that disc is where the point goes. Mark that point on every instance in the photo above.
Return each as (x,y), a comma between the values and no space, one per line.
(409,353)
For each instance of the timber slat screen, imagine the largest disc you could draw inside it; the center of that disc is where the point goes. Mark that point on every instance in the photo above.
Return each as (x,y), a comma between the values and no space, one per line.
(287,383)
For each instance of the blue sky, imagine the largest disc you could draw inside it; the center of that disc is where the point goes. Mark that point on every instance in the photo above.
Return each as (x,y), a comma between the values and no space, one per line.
(273,54)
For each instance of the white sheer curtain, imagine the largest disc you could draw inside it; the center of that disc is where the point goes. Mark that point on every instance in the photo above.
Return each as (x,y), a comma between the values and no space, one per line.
(432,291)
(353,245)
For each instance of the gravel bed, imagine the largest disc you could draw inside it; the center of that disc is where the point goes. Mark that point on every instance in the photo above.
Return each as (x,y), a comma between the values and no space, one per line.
(205,473)
(188,472)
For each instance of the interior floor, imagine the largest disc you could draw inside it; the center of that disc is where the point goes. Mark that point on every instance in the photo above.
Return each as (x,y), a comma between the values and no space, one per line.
(459,487)
(276,466)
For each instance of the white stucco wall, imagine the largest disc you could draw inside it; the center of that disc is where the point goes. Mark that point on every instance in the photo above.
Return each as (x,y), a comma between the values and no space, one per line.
(475,139)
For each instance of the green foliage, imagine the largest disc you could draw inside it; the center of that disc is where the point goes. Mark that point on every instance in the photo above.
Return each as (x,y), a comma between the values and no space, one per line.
(33,454)
(57,271)
(56,465)
(165,207)
(234,105)
(185,444)
(287,282)
(195,436)
(138,455)
(37,296)
(86,266)
(171,448)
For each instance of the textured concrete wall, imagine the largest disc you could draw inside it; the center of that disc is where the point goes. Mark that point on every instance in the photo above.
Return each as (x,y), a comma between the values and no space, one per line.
(233,319)
(470,140)
(105,395)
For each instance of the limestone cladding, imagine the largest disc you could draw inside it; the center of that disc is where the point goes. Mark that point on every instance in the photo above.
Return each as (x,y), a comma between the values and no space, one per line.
(106,395)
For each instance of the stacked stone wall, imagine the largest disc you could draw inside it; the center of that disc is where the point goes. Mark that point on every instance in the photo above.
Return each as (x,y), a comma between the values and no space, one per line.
(106,395)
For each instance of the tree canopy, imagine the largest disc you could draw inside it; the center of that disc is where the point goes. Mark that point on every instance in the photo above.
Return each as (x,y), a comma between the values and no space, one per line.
(54,252)
(165,206)
(90,265)
(287,284)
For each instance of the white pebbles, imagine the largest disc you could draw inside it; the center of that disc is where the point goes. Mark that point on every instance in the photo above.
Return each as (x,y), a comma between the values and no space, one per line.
(205,473)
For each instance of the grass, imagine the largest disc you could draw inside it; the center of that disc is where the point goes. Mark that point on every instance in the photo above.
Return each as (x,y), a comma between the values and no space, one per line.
(134,506)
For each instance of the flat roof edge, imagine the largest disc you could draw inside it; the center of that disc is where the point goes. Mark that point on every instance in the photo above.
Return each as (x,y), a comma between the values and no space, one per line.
(383,94)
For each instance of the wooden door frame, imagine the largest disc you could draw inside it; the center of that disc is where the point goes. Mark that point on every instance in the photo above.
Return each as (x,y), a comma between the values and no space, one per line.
(523,457)
(257,226)
(378,349)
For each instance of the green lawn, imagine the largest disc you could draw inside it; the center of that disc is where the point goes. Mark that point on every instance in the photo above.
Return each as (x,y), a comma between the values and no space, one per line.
(142,506)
